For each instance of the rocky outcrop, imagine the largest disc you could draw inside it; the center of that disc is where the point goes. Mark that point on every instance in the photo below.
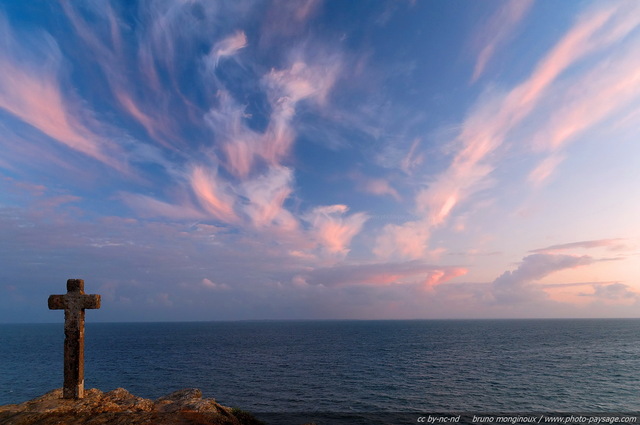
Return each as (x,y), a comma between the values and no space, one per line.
(184,407)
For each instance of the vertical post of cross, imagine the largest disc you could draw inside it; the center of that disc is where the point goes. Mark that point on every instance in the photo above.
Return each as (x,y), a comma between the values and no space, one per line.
(74,302)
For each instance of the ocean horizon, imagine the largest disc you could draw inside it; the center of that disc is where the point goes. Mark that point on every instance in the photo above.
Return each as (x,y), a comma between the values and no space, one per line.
(347,366)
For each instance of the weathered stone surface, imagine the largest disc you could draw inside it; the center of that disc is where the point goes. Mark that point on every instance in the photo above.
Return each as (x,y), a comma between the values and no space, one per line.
(74,302)
(121,407)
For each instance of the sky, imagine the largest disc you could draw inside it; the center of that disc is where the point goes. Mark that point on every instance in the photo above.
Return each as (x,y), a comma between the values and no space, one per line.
(249,160)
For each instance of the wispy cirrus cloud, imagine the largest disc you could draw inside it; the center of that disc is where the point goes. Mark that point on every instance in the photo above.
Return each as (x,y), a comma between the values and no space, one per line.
(225,48)
(254,157)
(244,147)
(22,153)
(32,91)
(617,244)
(150,207)
(487,127)
(237,116)
(490,122)
(142,67)
(267,194)
(605,90)
(545,169)
(498,29)
(254,200)
(239,144)
(413,158)
(213,194)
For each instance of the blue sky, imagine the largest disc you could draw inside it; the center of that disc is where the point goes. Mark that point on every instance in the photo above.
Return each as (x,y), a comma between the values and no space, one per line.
(197,160)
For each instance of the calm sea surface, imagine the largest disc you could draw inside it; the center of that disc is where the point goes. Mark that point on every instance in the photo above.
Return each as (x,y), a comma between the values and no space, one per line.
(347,366)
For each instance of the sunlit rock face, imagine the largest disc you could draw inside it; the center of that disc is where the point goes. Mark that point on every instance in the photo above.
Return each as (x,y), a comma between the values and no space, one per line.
(121,407)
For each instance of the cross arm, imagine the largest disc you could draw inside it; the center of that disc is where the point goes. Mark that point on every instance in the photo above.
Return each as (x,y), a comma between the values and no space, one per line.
(74,301)
(91,301)
(56,302)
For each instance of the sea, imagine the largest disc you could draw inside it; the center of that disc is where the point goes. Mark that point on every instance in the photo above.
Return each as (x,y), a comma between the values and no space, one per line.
(328,371)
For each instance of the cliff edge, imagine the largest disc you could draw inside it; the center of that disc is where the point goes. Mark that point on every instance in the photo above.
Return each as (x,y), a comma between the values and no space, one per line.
(184,407)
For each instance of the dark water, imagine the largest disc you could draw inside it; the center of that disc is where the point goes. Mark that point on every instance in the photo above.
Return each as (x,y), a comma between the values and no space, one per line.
(347,366)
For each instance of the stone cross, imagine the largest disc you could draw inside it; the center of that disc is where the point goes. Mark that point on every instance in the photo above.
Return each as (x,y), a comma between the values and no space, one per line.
(73,303)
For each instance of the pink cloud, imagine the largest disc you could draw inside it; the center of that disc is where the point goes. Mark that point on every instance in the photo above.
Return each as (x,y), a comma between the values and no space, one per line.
(240,155)
(267,194)
(574,45)
(149,207)
(609,244)
(375,186)
(487,126)
(608,88)
(132,108)
(440,276)
(545,169)
(407,240)
(226,47)
(285,88)
(498,30)
(209,284)
(212,195)
(146,103)
(333,229)
(155,127)
(255,159)
(170,26)
(381,187)
(38,102)
(243,147)
(33,94)
(302,80)
(279,137)
(380,274)
(239,143)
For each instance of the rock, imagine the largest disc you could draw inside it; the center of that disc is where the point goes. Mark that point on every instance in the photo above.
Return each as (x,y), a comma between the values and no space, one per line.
(119,406)
(187,393)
